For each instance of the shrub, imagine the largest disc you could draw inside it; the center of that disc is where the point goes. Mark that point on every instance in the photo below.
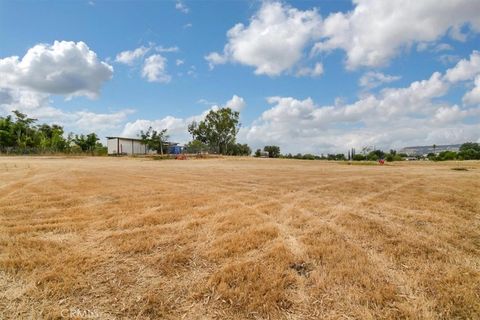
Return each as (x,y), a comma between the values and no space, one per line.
(359,157)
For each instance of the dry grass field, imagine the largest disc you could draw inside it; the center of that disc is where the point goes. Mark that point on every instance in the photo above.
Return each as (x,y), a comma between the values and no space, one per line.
(126,238)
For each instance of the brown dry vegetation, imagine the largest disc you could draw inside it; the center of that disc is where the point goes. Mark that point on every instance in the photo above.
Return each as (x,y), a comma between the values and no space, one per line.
(238,239)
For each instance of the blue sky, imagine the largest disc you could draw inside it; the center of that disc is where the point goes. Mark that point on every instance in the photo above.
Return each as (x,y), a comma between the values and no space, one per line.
(310,76)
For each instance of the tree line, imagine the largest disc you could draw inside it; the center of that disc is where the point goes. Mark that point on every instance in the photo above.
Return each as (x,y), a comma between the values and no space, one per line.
(20,134)
(216,133)
(467,151)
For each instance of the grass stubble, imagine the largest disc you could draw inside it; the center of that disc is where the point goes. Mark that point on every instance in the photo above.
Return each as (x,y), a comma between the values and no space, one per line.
(237,239)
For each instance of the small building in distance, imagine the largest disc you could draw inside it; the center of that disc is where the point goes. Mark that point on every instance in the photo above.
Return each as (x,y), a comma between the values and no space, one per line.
(425,150)
(126,146)
(134,146)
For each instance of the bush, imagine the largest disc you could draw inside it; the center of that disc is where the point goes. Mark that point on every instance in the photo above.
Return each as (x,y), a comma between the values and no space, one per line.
(359,157)
(273,151)
(196,146)
(308,156)
(376,155)
(393,157)
(239,150)
(446,155)
(469,151)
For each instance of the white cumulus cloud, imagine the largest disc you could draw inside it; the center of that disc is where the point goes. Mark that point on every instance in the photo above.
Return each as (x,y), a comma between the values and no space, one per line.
(154,69)
(180,6)
(315,71)
(377,30)
(373,79)
(236,103)
(278,35)
(473,96)
(63,68)
(465,69)
(273,42)
(129,57)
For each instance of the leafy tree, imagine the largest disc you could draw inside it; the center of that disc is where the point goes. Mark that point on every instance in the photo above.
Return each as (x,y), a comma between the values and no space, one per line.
(273,151)
(470,145)
(359,157)
(393,156)
(196,146)
(239,150)
(258,153)
(375,155)
(446,155)
(155,140)
(19,133)
(6,132)
(469,151)
(51,137)
(218,130)
(86,142)
(308,156)
(23,130)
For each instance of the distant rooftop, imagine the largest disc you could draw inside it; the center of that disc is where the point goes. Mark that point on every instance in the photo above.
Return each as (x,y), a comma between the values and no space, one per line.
(421,150)
(124,138)
(137,139)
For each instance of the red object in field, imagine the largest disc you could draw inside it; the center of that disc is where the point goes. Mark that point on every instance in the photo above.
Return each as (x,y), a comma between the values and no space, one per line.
(381,161)
(181,157)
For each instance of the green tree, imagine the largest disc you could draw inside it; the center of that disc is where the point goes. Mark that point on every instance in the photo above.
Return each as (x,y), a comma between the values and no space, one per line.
(273,151)
(446,155)
(196,146)
(375,155)
(393,156)
(238,149)
(308,156)
(218,130)
(155,140)
(258,153)
(86,143)
(18,133)
(469,151)
(6,132)
(51,137)
(23,130)
(358,157)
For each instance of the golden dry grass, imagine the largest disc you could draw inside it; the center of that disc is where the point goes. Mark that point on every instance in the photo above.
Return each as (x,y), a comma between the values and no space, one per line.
(238,239)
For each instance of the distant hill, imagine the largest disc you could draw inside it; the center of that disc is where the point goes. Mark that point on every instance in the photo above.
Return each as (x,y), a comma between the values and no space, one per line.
(423,150)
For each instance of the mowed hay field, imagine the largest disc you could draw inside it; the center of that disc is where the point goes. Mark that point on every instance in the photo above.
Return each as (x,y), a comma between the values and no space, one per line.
(123,238)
